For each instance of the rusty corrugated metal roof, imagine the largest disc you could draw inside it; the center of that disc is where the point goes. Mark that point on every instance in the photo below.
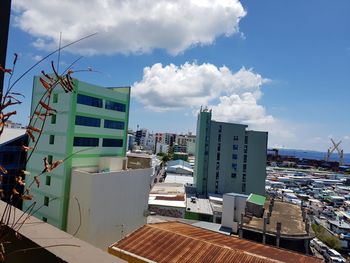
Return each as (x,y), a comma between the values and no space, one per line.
(178,242)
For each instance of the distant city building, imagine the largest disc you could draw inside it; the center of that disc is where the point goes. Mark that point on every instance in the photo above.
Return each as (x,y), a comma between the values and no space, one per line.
(90,123)
(229,158)
(166,138)
(185,143)
(162,148)
(130,141)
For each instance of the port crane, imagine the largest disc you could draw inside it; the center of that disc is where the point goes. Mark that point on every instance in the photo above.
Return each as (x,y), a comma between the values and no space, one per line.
(335,146)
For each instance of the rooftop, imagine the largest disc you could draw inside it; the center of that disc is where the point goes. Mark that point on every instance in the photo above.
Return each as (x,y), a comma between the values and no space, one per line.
(288,214)
(256,199)
(198,205)
(178,242)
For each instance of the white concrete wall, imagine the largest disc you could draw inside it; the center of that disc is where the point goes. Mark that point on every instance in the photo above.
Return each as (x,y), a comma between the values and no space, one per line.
(112,204)
(233,207)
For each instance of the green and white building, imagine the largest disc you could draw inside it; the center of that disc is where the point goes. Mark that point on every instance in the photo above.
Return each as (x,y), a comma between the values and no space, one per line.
(92,121)
(229,158)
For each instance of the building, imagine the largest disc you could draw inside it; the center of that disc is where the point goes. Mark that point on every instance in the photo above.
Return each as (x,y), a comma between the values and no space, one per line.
(185,143)
(110,201)
(90,122)
(13,159)
(229,158)
(180,242)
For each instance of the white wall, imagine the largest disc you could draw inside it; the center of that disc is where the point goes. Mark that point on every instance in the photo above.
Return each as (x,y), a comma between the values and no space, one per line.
(233,207)
(112,204)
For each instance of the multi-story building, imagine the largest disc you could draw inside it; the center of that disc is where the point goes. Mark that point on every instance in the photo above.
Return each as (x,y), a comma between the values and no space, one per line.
(186,143)
(90,122)
(229,158)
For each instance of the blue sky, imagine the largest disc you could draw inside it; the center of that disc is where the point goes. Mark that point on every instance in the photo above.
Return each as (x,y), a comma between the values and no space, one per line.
(279,66)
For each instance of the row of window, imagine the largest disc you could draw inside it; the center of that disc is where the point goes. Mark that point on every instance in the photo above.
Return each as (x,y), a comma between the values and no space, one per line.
(96,122)
(97,102)
(93,142)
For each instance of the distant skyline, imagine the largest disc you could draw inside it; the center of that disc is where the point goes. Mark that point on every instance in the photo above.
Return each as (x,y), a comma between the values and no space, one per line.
(278,66)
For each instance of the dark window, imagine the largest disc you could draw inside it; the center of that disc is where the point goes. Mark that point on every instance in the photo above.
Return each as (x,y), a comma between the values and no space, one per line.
(217,175)
(111,105)
(245,148)
(218,156)
(87,121)
(112,143)
(235,138)
(244,178)
(243,188)
(235,147)
(234,166)
(245,158)
(219,147)
(90,101)
(52,139)
(220,128)
(82,141)
(53,119)
(49,159)
(246,139)
(219,138)
(234,156)
(46,201)
(48,180)
(55,98)
(244,168)
(118,125)
(233,175)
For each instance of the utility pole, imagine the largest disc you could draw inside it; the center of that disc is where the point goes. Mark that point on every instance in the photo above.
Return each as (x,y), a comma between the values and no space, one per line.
(5,11)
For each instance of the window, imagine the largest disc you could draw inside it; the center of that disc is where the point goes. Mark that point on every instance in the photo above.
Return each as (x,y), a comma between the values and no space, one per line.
(245,158)
(53,119)
(46,201)
(44,219)
(55,98)
(246,139)
(49,159)
(244,168)
(87,121)
(233,175)
(118,125)
(111,105)
(217,165)
(112,143)
(219,147)
(244,178)
(245,148)
(217,175)
(235,138)
(52,139)
(82,141)
(235,147)
(219,138)
(234,156)
(218,156)
(48,180)
(220,128)
(243,187)
(90,101)
(234,166)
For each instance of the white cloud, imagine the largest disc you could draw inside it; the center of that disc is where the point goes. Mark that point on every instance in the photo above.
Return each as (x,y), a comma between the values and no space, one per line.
(233,97)
(128,26)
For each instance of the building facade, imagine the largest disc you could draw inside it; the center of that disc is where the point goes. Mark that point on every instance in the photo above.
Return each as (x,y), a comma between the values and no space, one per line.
(229,158)
(90,122)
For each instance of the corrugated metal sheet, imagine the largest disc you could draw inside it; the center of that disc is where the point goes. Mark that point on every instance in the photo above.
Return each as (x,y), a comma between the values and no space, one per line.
(178,242)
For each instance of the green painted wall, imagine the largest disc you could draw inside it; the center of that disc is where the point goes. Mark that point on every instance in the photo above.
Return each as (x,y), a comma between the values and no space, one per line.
(64,131)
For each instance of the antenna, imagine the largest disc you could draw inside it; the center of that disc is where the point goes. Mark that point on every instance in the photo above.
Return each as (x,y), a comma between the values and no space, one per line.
(59,53)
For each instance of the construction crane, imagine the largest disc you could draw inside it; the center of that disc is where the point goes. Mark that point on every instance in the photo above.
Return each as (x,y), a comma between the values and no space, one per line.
(335,146)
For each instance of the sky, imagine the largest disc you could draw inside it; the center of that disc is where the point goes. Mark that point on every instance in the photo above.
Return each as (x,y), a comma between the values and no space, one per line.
(278,66)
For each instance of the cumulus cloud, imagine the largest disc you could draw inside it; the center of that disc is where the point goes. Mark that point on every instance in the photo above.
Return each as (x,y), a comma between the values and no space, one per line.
(128,26)
(233,96)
